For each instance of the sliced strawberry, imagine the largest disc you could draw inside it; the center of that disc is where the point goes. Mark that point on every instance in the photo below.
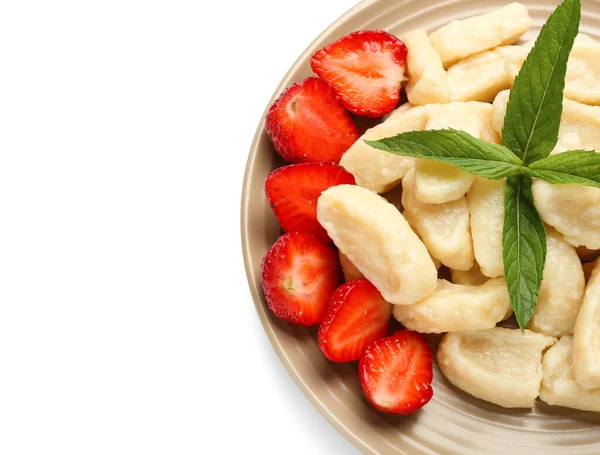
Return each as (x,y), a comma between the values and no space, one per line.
(293,192)
(299,274)
(308,123)
(356,316)
(396,373)
(366,69)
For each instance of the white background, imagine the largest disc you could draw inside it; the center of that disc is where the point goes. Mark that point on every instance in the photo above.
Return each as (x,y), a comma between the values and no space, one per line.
(126,325)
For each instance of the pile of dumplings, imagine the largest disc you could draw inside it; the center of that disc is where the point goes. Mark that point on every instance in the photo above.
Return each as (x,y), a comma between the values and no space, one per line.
(459,77)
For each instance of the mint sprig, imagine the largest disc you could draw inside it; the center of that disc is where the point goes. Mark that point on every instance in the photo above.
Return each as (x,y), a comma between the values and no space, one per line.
(535,102)
(523,247)
(530,133)
(454,147)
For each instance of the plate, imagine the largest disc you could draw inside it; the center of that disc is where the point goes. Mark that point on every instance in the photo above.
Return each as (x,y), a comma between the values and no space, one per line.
(453,422)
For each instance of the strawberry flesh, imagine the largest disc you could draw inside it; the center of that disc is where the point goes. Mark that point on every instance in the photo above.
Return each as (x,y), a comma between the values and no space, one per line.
(293,192)
(308,123)
(366,69)
(396,373)
(299,274)
(357,315)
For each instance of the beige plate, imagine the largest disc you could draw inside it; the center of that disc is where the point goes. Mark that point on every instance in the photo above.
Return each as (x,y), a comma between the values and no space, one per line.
(453,422)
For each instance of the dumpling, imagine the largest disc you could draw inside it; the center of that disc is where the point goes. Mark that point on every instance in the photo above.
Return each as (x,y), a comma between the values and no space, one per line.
(586,338)
(427,80)
(460,39)
(485,200)
(376,238)
(444,228)
(378,170)
(452,307)
(562,289)
(499,365)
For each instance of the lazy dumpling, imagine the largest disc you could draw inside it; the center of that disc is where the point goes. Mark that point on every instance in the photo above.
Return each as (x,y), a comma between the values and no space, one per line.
(376,238)
(452,307)
(499,365)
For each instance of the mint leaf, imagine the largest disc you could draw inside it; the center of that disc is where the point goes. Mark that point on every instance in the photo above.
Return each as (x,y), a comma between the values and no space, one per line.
(453,147)
(535,103)
(523,247)
(578,166)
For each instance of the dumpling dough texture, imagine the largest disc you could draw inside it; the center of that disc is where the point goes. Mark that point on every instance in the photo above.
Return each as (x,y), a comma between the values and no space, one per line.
(462,38)
(586,339)
(559,388)
(437,183)
(573,210)
(562,289)
(579,124)
(454,307)
(378,170)
(482,76)
(376,238)
(427,80)
(444,228)
(486,205)
(499,365)
(472,277)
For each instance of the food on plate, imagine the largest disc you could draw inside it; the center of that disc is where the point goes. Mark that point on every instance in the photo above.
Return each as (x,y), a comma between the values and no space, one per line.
(559,388)
(573,210)
(582,82)
(308,123)
(454,307)
(396,373)
(499,110)
(471,277)
(562,289)
(349,270)
(486,206)
(579,124)
(366,69)
(482,76)
(375,169)
(463,38)
(427,80)
(298,274)
(293,191)
(499,365)
(443,228)
(586,337)
(356,316)
(443,203)
(376,238)
(435,182)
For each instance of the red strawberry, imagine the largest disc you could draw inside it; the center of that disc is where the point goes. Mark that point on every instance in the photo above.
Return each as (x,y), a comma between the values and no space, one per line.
(299,274)
(308,123)
(396,373)
(293,192)
(366,69)
(356,316)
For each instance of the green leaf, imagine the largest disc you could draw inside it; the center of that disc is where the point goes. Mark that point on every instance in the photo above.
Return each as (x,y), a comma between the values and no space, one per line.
(456,148)
(523,247)
(535,103)
(577,166)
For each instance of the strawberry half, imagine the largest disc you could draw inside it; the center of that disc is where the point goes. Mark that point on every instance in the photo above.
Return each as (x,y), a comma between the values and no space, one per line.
(308,123)
(366,69)
(356,316)
(299,274)
(293,192)
(396,373)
